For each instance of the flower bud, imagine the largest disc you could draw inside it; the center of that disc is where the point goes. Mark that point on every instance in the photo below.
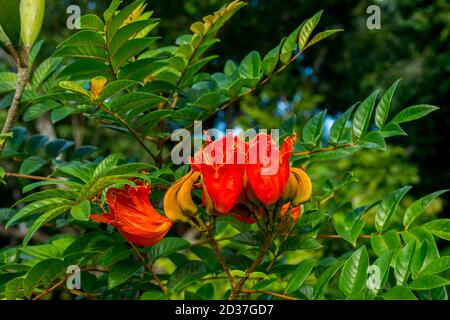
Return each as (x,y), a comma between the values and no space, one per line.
(31,18)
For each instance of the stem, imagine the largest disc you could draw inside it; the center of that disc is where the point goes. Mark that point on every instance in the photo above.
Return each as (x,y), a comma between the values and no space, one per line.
(26,176)
(254,265)
(149,267)
(279,295)
(336,236)
(216,249)
(129,128)
(22,79)
(60,283)
(306,153)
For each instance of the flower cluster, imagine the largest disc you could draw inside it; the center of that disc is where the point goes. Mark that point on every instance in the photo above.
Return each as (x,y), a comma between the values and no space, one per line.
(240,179)
(237,178)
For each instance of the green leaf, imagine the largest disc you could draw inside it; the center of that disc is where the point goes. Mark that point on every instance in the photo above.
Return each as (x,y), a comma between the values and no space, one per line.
(354,273)
(186,274)
(44,219)
(307,29)
(35,143)
(420,258)
(32,164)
(134,100)
(154,295)
(84,38)
(399,293)
(382,109)
(326,276)
(337,129)
(299,275)
(418,206)
(270,60)
(209,101)
(91,21)
(250,67)
(38,109)
(36,207)
(44,70)
(437,266)
(13,288)
(130,49)
(109,13)
(74,87)
(43,273)
(383,262)
(84,52)
(59,114)
(313,129)
(387,242)
(413,113)
(55,147)
(392,129)
(387,207)
(320,36)
(428,282)
(403,259)
(10,19)
(153,118)
(86,69)
(121,272)
(439,227)
(289,45)
(123,35)
(115,87)
(165,247)
(81,211)
(361,119)
(373,140)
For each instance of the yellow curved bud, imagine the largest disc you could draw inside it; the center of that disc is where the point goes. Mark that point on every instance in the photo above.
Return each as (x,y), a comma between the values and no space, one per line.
(290,191)
(304,186)
(207,201)
(171,206)
(31,18)
(184,195)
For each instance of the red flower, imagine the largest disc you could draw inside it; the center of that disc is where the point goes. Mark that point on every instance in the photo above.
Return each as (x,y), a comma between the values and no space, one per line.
(268,167)
(222,165)
(132,213)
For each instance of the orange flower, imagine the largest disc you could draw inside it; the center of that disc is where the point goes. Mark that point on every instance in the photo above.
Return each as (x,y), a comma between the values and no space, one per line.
(133,215)
(222,173)
(268,171)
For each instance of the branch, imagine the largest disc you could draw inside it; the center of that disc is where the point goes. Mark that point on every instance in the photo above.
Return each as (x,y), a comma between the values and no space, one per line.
(149,267)
(26,176)
(307,153)
(129,128)
(336,236)
(279,295)
(22,79)
(254,265)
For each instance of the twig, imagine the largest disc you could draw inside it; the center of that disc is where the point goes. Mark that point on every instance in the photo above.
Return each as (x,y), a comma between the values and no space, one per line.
(253,266)
(129,128)
(26,176)
(279,295)
(307,153)
(22,79)
(336,236)
(149,267)
(222,261)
